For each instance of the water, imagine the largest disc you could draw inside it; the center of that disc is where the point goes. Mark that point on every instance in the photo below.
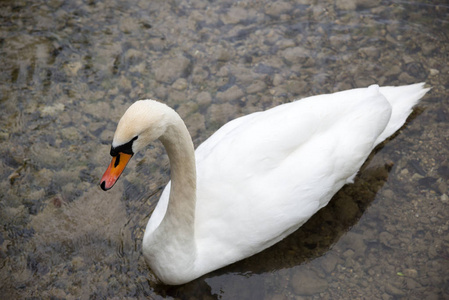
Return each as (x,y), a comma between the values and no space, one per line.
(71,68)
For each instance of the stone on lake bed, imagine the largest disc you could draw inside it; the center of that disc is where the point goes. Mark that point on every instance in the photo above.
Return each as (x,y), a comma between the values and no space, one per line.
(70,134)
(180,84)
(277,8)
(235,15)
(170,69)
(353,4)
(394,291)
(204,99)
(233,93)
(256,87)
(296,54)
(410,273)
(307,283)
(330,262)
(52,110)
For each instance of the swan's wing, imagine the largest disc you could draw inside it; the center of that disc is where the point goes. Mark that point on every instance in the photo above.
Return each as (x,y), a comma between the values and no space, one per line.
(261,142)
(277,168)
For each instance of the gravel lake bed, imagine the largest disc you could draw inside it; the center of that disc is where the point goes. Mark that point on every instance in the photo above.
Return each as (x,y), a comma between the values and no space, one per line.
(71,68)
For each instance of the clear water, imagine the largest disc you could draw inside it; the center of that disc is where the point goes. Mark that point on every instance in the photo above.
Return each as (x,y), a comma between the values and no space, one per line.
(69,69)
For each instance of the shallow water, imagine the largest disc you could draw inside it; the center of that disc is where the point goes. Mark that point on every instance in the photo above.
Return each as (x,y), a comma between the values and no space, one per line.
(71,68)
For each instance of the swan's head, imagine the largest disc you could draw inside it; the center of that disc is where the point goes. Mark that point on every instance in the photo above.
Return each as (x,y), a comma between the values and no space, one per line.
(142,123)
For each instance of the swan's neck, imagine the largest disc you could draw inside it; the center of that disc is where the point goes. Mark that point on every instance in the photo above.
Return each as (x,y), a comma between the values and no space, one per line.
(170,249)
(181,207)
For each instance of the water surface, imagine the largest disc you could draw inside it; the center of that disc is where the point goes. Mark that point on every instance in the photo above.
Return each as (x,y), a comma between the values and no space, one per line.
(71,68)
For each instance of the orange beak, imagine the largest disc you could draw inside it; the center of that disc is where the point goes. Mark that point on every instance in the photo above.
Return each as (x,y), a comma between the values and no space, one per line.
(114,170)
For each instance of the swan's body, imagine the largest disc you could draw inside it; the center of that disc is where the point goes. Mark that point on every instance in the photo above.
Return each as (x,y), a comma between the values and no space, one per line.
(258,178)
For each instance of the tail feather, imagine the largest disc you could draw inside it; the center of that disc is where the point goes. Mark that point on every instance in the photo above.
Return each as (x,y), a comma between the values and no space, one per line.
(402,100)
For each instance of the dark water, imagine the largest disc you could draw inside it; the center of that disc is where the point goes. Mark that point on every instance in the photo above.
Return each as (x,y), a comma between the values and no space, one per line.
(69,69)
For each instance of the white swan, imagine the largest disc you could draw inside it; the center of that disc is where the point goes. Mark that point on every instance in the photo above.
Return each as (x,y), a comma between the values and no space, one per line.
(258,178)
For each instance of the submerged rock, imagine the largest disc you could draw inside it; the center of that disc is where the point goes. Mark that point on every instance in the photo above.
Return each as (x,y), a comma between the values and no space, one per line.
(170,69)
(307,283)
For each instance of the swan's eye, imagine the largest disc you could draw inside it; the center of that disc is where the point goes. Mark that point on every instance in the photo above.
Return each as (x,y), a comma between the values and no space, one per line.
(125,148)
